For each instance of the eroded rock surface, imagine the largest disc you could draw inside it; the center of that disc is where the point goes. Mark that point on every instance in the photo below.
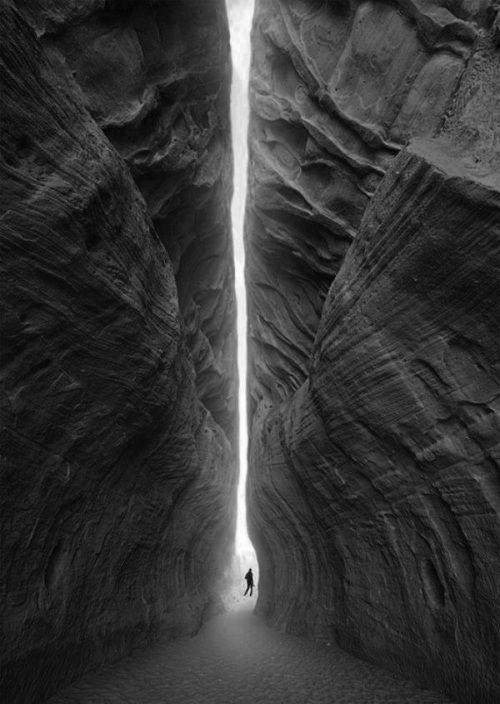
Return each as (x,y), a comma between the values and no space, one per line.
(118,468)
(374,305)
(156,76)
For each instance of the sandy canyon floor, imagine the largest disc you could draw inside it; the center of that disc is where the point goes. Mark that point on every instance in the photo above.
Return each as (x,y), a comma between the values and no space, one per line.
(237,659)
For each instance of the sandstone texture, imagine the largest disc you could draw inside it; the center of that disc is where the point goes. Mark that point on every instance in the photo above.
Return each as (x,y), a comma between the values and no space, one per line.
(373,250)
(117,309)
(156,78)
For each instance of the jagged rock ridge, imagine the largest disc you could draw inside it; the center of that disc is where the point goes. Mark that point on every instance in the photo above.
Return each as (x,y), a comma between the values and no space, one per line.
(374,300)
(118,366)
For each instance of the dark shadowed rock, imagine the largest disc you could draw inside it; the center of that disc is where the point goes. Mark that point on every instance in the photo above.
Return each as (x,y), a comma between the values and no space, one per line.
(337,89)
(374,306)
(156,76)
(117,466)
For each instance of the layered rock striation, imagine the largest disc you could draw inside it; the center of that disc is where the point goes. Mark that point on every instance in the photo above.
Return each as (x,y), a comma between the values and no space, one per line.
(155,76)
(117,359)
(373,237)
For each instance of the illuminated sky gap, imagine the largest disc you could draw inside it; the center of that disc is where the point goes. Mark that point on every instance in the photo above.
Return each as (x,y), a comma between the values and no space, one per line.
(240,14)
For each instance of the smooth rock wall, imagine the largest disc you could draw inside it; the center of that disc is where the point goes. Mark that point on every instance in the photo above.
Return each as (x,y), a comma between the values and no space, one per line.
(117,357)
(374,296)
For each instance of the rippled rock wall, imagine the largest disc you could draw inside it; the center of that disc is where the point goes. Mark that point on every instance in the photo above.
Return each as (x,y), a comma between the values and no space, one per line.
(118,334)
(373,238)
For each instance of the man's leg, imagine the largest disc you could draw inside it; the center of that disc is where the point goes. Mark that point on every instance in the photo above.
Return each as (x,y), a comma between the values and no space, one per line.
(246,592)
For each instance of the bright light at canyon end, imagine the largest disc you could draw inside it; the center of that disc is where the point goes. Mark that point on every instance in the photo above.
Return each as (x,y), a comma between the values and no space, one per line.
(240,19)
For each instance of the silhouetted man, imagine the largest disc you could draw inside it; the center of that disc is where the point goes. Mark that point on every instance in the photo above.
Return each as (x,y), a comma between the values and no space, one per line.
(249,578)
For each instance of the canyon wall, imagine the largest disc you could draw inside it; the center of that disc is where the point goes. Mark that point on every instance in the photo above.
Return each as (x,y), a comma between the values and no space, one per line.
(373,269)
(118,331)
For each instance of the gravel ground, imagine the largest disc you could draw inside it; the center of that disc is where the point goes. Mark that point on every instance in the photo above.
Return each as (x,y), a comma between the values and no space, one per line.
(236,659)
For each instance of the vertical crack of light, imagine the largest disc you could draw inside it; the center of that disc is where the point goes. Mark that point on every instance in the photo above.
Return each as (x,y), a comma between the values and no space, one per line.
(240,13)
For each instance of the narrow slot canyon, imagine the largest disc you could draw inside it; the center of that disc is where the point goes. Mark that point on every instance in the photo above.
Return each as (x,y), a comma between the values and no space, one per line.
(250,305)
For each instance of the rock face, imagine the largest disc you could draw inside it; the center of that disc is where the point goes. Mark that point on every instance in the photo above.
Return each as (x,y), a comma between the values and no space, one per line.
(117,359)
(156,77)
(373,277)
